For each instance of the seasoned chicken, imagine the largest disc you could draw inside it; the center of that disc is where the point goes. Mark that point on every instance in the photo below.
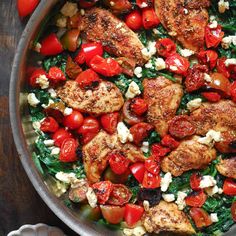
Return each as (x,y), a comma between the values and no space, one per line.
(103,99)
(190,154)
(167,217)
(185,20)
(227,167)
(163,98)
(100,25)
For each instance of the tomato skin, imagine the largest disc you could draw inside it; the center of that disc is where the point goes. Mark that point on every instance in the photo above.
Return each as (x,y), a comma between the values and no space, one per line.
(233,91)
(168,141)
(134,20)
(208,57)
(233,210)
(109,122)
(149,18)
(213,37)
(26,7)
(35,74)
(68,150)
(55,74)
(138,106)
(50,45)
(165,47)
(113,214)
(72,68)
(138,169)
(60,135)
(221,67)
(118,163)
(229,187)
(49,124)
(150,180)
(74,120)
(118,6)
(103,190)
(133,214)
(159,150)
(195,180)
(200,217)
(70,40)
(211,96)
(152,165)
(87,3)
(196,199)
(144,3)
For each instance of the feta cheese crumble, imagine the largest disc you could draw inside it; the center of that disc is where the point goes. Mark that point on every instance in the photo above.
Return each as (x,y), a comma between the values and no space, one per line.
(92,198)
(212,190)
(68,111)
(211,137)
(124,134)
(145,147)
(159,64)
(231,61)
(180,200)
(194,104)
(223,6)
(61,22)
(48,142)
(32,100)
(55,151)
(207,78)
(168,197)
(132,91)
(149,51)
(67,178)
(69,9)
(213,24)
(138,71)
(214,217)
(165,181)
(146,205)
(52,92)
(226,41)
(43,81)
(137,231)
(186,52)
(207,181)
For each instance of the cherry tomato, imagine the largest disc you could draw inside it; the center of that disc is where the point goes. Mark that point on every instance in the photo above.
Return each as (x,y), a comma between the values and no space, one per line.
(221,67)
(152,165)
(233,91)
(36,74)
(114,178)
(105,66)
(70,40)
(60,135)
(55,74)
(120,195)
(118,163)
(133,214)
(88,79)
(159,150)
(200,217)
(138,169)
(26,7)
(109,122)
(181,127)
(54,113)
(74,21)
(88,51)
(118,6)
(74,120)
(165,47)
(51,46)
(213,37)
(150,180)
(195,180)
(49,124)
(208,57)
(87,3)
(229,187)
(138,106)
(233,210)
(168,141)
(103,190)
(68,150)
(87,212)
(140,131)
(144,3)
(113,214)
(150,18)
(211,96)
(72,68)
(196,199)
(134,20)
(177,64)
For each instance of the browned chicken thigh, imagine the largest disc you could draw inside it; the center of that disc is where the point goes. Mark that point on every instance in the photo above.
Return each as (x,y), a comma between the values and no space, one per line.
(227,167)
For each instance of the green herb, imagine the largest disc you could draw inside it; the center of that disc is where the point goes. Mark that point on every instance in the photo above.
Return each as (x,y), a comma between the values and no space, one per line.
(154,137)
(143,37)
(162,32)
(68,203)
(133,186)
(36,113)
(211,169)
(37,163)
(59,61)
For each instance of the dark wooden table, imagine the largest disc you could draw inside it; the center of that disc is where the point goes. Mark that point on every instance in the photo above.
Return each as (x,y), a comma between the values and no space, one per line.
(19,202)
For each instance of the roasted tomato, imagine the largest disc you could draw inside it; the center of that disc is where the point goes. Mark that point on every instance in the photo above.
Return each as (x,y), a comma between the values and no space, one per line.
(196,199)
(114,178)
(150,18)
(87,212)
(138,106)
(133,214)
(144,3)
(159,150)
(165,47)
(113,214)
(87,3)
(109,122)
(213,36)
(60,135)
(74,21)
(26,7)
(138,169)
(195,180)
(72,69)
(55,74)
(36,74)
(70,40)
(103,190)
(152,165)
(229,187)
(233,210)
(200,217)
(49,124)
(74,120)
(170,142)
(118,6)
(208,57)
(211,96)
(68,150)
(150,180)
(134,20)
(233,91)
(221,67)
(118,163)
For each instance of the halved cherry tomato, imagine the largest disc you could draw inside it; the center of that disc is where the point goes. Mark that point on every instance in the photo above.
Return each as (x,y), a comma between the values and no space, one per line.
(114,178)
(213,37)
(88,51)
(72,68)
(233,210)
(221,67)
(200,217)
(134,20)
(196,199)
(177,64)
(208,57)
(233,91)
(168,141)
(113,214)
(150,18)
(26,7)
(105,66)
(49,124)
(140,131)
(181,127)
(127,65)
(87,3)
(70,40)
(55,74)
(211,96)
(68,150)
(144,3)
(159,150)
(109,122)
(87,212)
(74,120)
(120,195)
(165,47)
(51,45)
(138,106)
(88,79)
(229,187)
(74,21)
(150,180)
(133,214)
(102,190)
(118,163)
(138,169)
(195,180)
(36,74)
(118,6)
(152,165)
(60,135)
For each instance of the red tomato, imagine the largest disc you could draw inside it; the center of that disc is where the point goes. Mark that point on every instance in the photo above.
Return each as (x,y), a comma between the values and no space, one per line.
(87,3)
(134,20)
(196,199)
(221,67)
(229,187)
(159,150)
(208,57)
(152,165)
(105,66)
(103,190)
(70,40)
(138,169)
(72,69)
(114,178)
(118,6)
(51,45)
(214,36)
(55,74)
(133,214)
(165,47)
(168,141)
(150,180)
(88,51)
(36,73)
(181,127)
(88,79)
(68,150)
(120,195)
(49,124)
(74,120)
(118,163)
(200,217)
(60,135)
(195,180)
(144,3)
(233,91)
(109,122)
(26,7)
(177,64)
(138,106)
(150,18)
(211,96)
(140,131)
(233,210)
(113,214)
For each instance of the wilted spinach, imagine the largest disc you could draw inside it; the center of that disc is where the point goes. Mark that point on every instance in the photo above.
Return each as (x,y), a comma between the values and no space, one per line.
(59,61)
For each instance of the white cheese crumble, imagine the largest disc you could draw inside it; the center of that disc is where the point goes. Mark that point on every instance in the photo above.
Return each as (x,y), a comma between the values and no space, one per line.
(82,12)
(231,61)
(52,92)
(146,205)
(185,11)
(149,65)
(112,3)
(212,190)
(69,9)
(55,151)
(43,81)
(32,100)
(211,137)
(37,47)
(180,200)
(138,71)
(50,102)
(173,68)
(68,111)
(48,142)
(165,181)
(214,217)
(168,197)
(186,52)
(124,134)
(149,51)
(67,178)
(194,104)
(143,5)
(132,91)
(160,64)
(213,24)
(61,22)
(137,231)
(223,6)
(145,147)
(36,125)
(92,198)
(207,77)
(226,41)
(207,181)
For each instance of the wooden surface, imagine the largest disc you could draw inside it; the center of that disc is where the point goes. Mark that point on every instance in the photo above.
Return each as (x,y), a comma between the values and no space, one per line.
(19,202)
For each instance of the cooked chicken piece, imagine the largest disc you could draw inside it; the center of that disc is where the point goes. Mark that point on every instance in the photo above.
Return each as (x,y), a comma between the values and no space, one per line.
(185,20)
(102,26)
(190,154)
(227,167)
(132,152)
(103,99)
(167,217)
(163,98)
